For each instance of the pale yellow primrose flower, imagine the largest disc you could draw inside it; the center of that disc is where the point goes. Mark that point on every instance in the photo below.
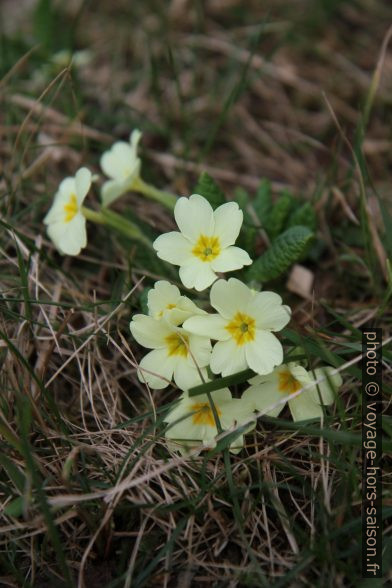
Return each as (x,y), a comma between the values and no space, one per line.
(65,220)
(193,420)
(287,379)
(176,353)
(205,244)
(165,301)
(242,327)
(122,165)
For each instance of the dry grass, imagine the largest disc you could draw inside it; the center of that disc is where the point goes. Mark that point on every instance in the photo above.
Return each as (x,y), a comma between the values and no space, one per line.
(243,92)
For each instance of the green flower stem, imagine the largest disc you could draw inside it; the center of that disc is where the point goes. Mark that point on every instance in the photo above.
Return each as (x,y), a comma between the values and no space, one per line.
(165,198)
(221,383)
(92,215)
(116,221)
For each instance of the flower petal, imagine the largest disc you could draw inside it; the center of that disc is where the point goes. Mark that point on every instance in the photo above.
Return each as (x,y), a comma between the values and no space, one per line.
(261,397)
(200,349)
(194,217)
(231,258)
(113,189)
(186,376)
(67,187)
(134,139)
(71,237)
(196,274)
(56,211)
(303,407)
(82,184)
(186,429)
(173,247)
(162,295)
(118,162)
(234,410)
(326,389)
(190,430)
(267,309)
(156,369)
(228,220)
(264,353)
(229,297)
(185,309)
(124,155)
(176,316)
(211,325)
(149,332)
(228,358)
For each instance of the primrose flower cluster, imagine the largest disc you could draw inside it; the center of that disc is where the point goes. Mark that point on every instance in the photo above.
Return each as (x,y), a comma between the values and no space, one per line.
(190,345)
(66,219)
(233,332)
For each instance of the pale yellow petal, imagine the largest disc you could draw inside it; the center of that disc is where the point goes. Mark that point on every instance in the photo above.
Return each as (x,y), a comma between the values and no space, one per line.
(231,258)
(196,274)
(303,407)
(210,325)
(200,350)
(67,187)
(187,376)
(82,184)
(118,163)
(264,353)
(228,220)
(113,189)
(149,332)
(326,390)
(267,309)
(173,247)
(263,397)
(156,369)
(230,296)
(228,358)
(194,217)
(69,238)
(161,297)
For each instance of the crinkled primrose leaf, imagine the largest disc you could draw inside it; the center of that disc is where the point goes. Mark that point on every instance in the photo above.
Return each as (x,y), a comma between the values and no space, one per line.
(283,252)
(209,189)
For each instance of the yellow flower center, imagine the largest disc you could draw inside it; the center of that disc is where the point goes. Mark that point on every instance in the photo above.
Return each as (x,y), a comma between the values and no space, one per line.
(177,344)
(168,307)
(242,328)
(71,208)
(287,383)
(207,248)
(127,171)
(204,414)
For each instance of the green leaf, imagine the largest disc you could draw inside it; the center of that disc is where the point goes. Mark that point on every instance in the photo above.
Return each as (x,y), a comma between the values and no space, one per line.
(43,23)
(304,216)
(207,187)
(220,383)
(52,27)
(14,472)
(247,236)
(143,300)
(276,219)
(284,251)
(387,220)
(15,507)
(241,196)
(262,202)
